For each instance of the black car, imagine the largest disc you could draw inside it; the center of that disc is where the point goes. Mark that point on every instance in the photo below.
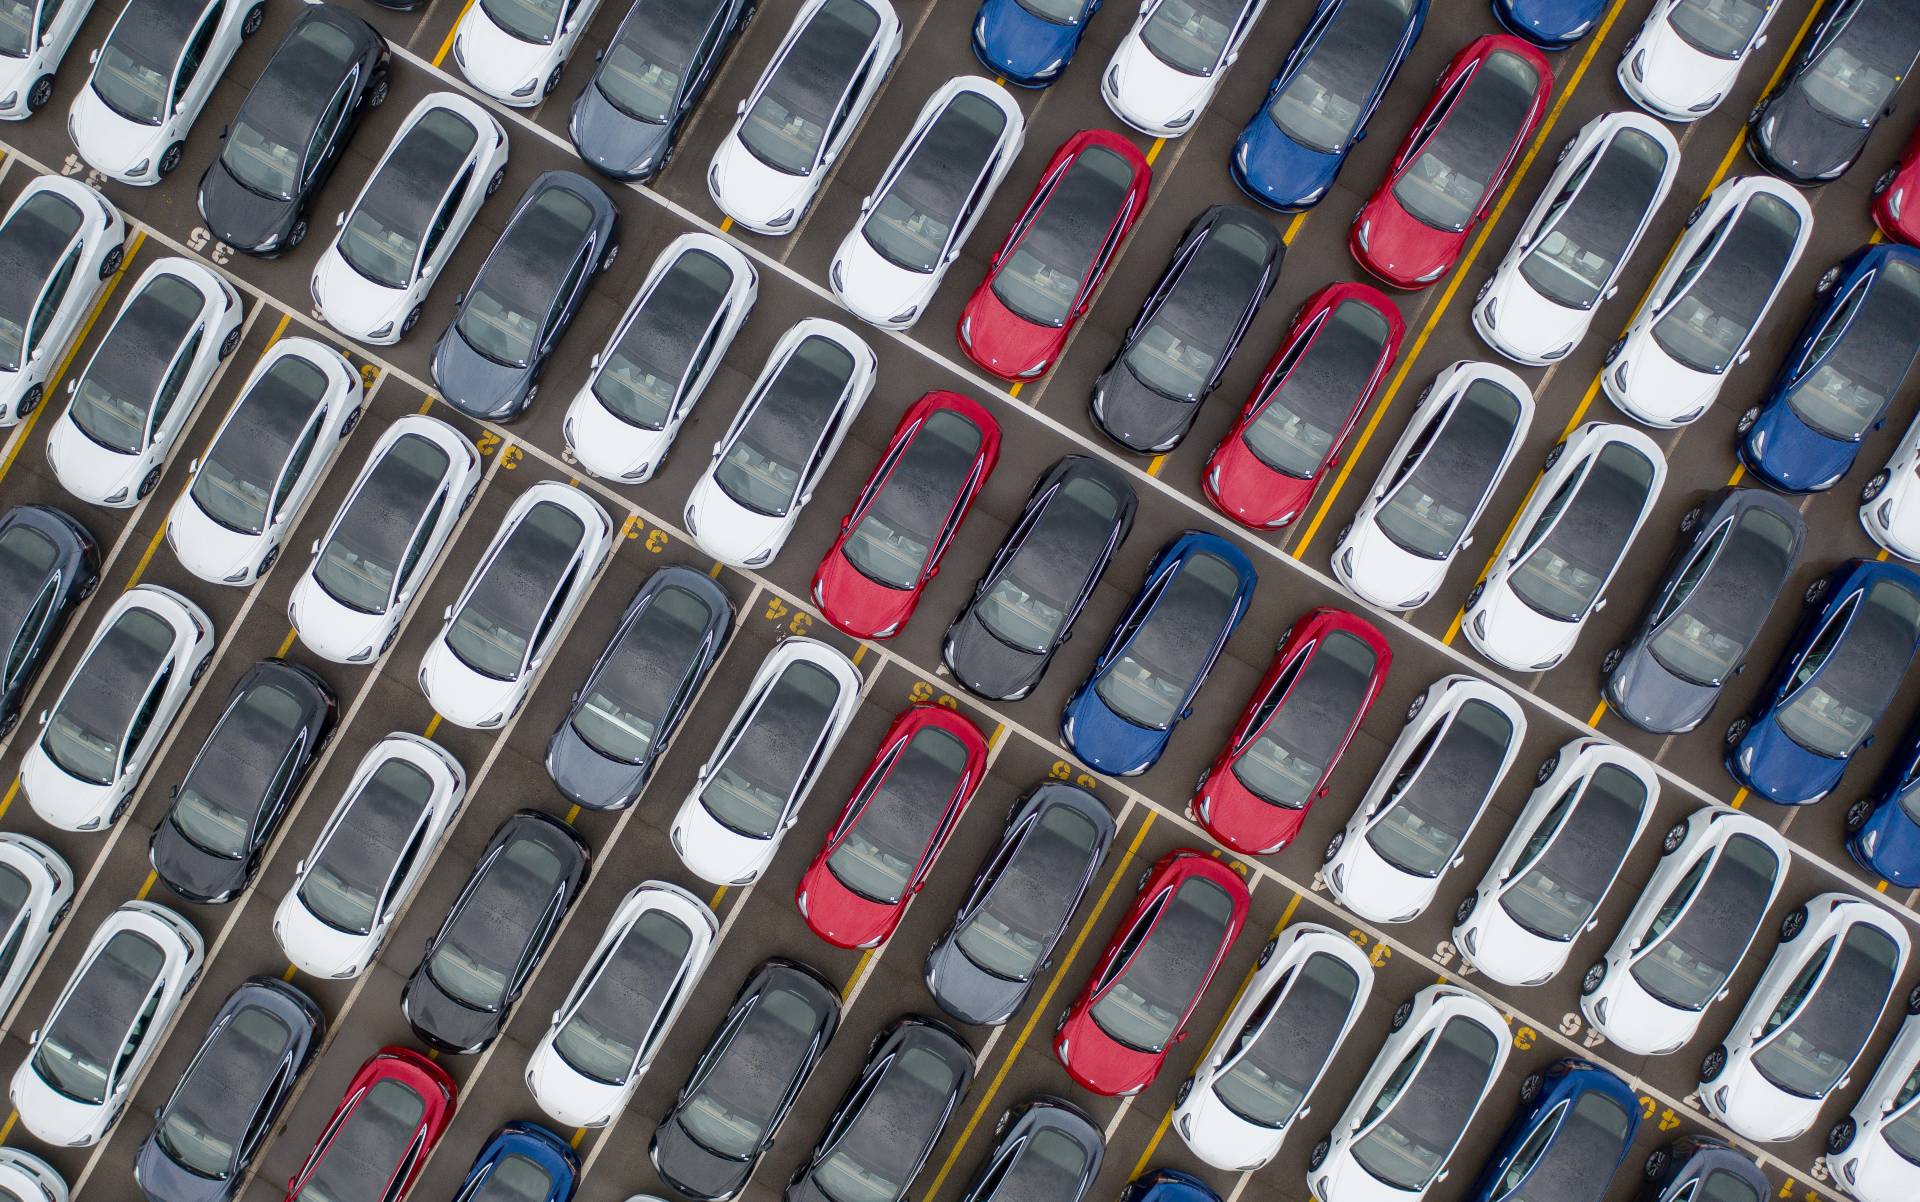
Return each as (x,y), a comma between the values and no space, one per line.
(1701,1168)
(745,1082)
(289,132)
(1027,888)
(229,1101)
(1025,603)
(1187,329)
(49,564)
(626,711)
(1046,1148)
(475,966)
(223,815)
(885,1126)
(628,118)
(1735,555)
(487,364)
(1815,122)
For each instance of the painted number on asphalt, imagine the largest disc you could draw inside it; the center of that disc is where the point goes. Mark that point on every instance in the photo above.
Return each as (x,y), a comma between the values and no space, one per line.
(633,527)
(798,620)
(1652,1111)
(1378,953)
(1444,954)
(1062,770)
(201,239)
(74,166)
(922,692)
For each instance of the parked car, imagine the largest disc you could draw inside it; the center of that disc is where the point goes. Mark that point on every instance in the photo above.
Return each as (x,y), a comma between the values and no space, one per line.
(385,1127)
(1044,1147)
(522,1162)
(63,241)
(49,566)
(1816,118)
(1573,1130)
(1871,1147)
(1891,192)
(1888,512)
(1167,67)
(25,1175)
(1703,1166)
(1719,873)
(870,580)
(36,891)
(1883,827)
(514,54)
(1549,24)
(36,47)
(1030,47)
(1168,1185)
(1443,180)
(628,119)
(1683,60)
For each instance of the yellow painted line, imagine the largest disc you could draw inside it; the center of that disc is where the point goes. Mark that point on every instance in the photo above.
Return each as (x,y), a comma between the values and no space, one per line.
(426,404)
(146,556)
(1877,237)
(433,1053)
(1159,461)
(716,569)
(1293,227)
(433,726)
(1881,556)
(579,1134)
(726,223)
(859,653)
(13,791)
(1000,80)
(1455,279)
(1880,888)
(719,895)
(859,970)
(446,47)
(146,886)
(278,330)
(573,482)
(573,812)
(1013,389)
(1286,916)
(1739,799)
(999,732)
(286,644)
(1153,151)
(1039,1009)
(1739,473)
(1599,712)
(292,972)
(7,1129)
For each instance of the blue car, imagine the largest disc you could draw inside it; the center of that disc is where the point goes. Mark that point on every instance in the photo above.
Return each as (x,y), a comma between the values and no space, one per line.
(1883,828)
(1319,104)
(1121,717)
(522,1162)
(1551,24)
(1574,1126)
(1833,388)
(1029,42)
(1834,681)
(1167,1185)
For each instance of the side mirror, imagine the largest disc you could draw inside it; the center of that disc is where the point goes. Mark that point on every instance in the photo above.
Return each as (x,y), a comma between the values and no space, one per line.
(1760,41)
(300,868)
(193,467)
(1739,668)
(1466,542)
(173,790)
(1593,923)
(1360,137)
(866,203)
(1442,1176)
(1180,1038)
(740,109)
(1599,605)
(1610,291)
(446,615)
(598,55)
(223,133)
(339,219)
(460,298)
(594,363)
(316,547)
(1867,742)
(91,58)
(34,1038)
(43,717)
(1743,356)
(72,386)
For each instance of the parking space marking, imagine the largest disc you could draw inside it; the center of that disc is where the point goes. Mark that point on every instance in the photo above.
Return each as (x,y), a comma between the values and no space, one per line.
(1599,711)
(1293,227)
(446,47)
(1153,151)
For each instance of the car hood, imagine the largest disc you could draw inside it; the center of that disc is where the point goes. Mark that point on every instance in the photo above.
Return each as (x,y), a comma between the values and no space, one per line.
(1804,142)
(1660,389)
(1400,247)
(570,1099)
(159,1177)
(1892,842)
(1508,952)
(1878,1174)
(62,800)
(1221,1137)
(967,991)
(1274,168)
(1642,1024)
(1346,1181)
(754,192)
(1020,45)
(1003,342)
(1252,493)
(1521,637)
(1373,888)
(729,531)
(443,1022)
(712,852)
(840,916)
(354,304)
(205,547)
(862,607)
(1651,697)
(691,1169)
(1244,822)
(987,666)
(874,289)
(1096,1062)
(612,142)
(1104,740)
(1755,1108)
(241,217)
(314,947)
(585,776)
(192,873)
(1151,92)
(331,630)
(105,138)
(52,1117)
(497,62)
(1549,22)
(476,385)
(1528,323)
(1136,416)
(1791,455)
(1685,76)
(1780,770)
(609,447)
(461,695)
(88,470)
(1380,571)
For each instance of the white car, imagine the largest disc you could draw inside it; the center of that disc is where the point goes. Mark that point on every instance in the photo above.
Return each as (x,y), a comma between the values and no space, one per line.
(370,565)
(927,203)
(40,33)
(1253,1083)
(28,1178)
(517,605)
(625,1000)
(401,230)
(1421,509)
(1460,739)
(1698,914)
(765,467)
(351,888)
(791,128)
(1683,61)
(144,384)
(1445,1051)
(751,788)
(36,890)
(1874,1152)
(85,1061)
(61,240)
(1890,499)
(150,80)
(515,51)
(1571,535)
(113,713)
(1566,259)
(1807,1020)
(660,358)
(265,462)
(1590,804)
(1167,67)
(1723,274)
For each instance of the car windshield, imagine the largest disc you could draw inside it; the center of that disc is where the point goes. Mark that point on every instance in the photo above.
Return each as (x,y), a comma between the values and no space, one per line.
(1143,1007)
(1573,854)
(266,148)
(647,64)
(632,694)
(382,236)
(912,222)
(1311,402)
(645,372)
(1855,75)
(358,563)
(507,311)
(1042,277)
(115,398)
(1287,1042)
(1050,1164)
(492,632)
(1032,898)
(1426,1112)
(1307,716)
(895,536)
(15,892)
(759,774)
(772,450)
(738,1098)
(1707,325)
(877,1154)
(608,1030)
(1724,1186)
(28,559)
(1321,106)
(85,1047)
(1428,814)
(1845,682)
(233,781)
(536,21)
(1595,220)
(489,934)
(1170,649)
(1719,28)
(210,1112)
(1902,1130)
(1864,354)
(32,244)
(1436,497)
(1706,636)
(514,1179)
(1028,601)
(1705,923)
(1177,353)
(805,94)
(367,1149)
(135,70)
(1059,12)
(898,818)
(1823,1021)
(16,28)
(349,878)
(1191,36)
(1444,185)
(237,482)
(84,734)
(1579,538)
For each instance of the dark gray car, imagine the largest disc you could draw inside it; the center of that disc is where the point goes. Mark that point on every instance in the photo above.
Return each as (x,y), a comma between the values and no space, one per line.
(1815,122)
(1187,329)
(1046,1151)
(1736,551)
(1702,1168)
(625,713)
(49,564)
(628,118)
(1027,889)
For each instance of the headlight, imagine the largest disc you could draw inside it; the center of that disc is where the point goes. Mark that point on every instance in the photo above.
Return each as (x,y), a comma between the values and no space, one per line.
(1066,728)
(270,243)
(1112,82)
(1313,196)
(980,28)
(1433,275)
(1181,122)
(1746,759)
(1035,370)
(837,276)
(1600,1011)
(1706,105)
(1360,235)
(905,315)
(1480,623)
(1886,512)
(639,473)
(748,879)
(784,218)
(1486,314)
(887,632)
(1768,126)
(1470,942)
(679,843)
(363,656)
(1757,442)
(1558,352)
(966,330)
(687,520)
(1620,376)
(1213,481)
(713,178)
(140,168)
(1241,154)
(801,902)
(1549,662)
(383,331)
(118,497)
(761,559)
(1346,562)
(1638,67)
(526,89)
(1053,66)
(12,99)
(238,576)
(1338,877)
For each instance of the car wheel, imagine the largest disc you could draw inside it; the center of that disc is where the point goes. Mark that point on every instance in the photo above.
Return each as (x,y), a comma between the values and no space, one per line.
(1596,976)
(1747,420)
(377,94)
(1610,661)
(1793,923)
(1419,703)
(1530,1088)
(170,158)
(1675,836)
(1613,352)
(296,234)
(1737,730)
(1464,911)
(553,80)
(1689,520)
(1333,846)
(613,252)
(1857,815)
(230,343)
(40,93)
(1886,180)
(1185,1091)
(1318,1156)
(471,494)
(412,319)
(353,419)
(200,669)
(29,401)
(1473,596)
(250,24)
(1840,1136)
(1266,952)
(1913,1001)
(1816,590)
(8,723)
(1553,456)
(1656,1165)
(1401,1014)
(1697,210)
(87,589)
(150,482)
(1827,280)
(499,177)
(1713,1064)
(267,561)
(1875,485)
(111,263)
(1547,768)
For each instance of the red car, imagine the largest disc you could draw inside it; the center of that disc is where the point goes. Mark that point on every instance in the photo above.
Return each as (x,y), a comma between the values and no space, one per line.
(1042,278)
(1442,182)
(891,542)
(395,1110)
(1255,795)
(880,851)
(1298,417)
(1896,196)
(1135,1005)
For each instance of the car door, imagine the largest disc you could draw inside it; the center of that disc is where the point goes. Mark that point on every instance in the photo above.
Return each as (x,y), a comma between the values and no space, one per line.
(298,475)
(423,535)
(171,403)
(46,314)
(434,247)
(330,134)
(137,748)
(199,69)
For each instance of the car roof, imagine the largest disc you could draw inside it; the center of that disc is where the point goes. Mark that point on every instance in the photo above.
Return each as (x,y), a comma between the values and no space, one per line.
(422,165)
(121,667)
(146,338)
(817,69)
(394,497)
(300,80)
(269,420)
(149,29)
(516,584)
(32,240)
(941,171)
(94,1019)
(541,241)
(233,1072)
